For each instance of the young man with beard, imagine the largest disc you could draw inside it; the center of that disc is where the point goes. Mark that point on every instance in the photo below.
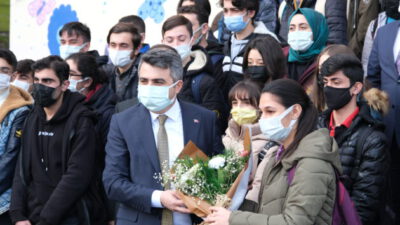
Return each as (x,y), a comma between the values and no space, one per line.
(56,178)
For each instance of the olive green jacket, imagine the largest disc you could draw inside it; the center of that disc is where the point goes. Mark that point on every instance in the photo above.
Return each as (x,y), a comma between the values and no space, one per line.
(310,197)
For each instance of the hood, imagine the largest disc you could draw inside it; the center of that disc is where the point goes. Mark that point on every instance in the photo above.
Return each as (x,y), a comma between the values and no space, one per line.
(214,48)
(378,100)
(69,105)
(15,99)
(200,62)
(103,99)
(317,145)
(260,28)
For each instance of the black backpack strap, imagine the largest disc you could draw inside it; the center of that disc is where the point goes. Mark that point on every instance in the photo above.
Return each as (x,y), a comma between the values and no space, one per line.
(375,21)
(266,148)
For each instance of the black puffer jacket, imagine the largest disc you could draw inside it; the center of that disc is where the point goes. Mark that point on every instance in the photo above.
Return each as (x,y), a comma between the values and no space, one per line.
(335,14)
(367,187)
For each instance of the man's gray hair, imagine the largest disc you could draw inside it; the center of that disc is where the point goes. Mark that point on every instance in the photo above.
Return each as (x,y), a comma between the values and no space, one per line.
(164,58)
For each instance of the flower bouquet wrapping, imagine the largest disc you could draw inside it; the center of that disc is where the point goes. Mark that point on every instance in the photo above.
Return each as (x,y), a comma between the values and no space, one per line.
(202,182)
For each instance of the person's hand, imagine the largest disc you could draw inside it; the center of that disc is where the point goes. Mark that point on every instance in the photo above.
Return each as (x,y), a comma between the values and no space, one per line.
(24,222)
(219,216)
(170,200)
(111,222)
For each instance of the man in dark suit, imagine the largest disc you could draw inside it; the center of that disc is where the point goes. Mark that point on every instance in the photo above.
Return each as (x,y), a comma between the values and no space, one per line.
(384,73)
(152,133)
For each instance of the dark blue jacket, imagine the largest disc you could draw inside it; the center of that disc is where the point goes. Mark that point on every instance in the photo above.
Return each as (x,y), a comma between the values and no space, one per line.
(132,158)
(383,74)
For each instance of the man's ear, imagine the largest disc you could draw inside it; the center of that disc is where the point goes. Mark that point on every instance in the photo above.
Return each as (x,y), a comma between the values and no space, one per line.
(205,29)
(251,13)
(135,52)
(86,47)
(13,76)
(143,36)
(178,86)
(65,85)
(357,88)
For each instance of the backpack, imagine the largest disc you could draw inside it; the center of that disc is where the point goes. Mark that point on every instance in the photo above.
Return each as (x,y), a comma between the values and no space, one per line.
(344,211)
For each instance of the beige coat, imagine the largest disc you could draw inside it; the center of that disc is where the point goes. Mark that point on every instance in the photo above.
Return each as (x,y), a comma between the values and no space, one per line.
(234,136)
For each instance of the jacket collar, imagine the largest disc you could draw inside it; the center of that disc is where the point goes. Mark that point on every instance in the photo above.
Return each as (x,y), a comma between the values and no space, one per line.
(15,99)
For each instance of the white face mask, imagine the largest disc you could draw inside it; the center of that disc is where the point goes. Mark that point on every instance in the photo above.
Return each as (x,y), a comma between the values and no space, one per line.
(273,128)
(184,50)
(21,84)
(74,83)
(4,81)
(120,58)
(300,40)
(155,98)
(67,50)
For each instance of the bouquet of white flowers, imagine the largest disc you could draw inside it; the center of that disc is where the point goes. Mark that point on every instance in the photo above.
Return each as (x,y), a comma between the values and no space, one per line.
(202,182)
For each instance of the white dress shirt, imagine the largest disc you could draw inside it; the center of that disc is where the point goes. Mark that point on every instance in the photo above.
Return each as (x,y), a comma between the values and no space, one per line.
(174,127)
(396,46)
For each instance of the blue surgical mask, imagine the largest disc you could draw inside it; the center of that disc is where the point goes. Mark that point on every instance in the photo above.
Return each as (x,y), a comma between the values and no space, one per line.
(184,50)
(235,23)
(120,58)
(67,50)
(74,83)
(155,98)
(273,129)
(300,40)
(21,84)
(4,81)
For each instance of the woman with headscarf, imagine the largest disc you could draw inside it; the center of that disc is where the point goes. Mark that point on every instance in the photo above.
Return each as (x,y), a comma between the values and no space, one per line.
(308,34)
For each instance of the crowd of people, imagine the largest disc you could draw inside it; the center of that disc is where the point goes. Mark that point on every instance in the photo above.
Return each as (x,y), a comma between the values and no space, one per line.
(317,83)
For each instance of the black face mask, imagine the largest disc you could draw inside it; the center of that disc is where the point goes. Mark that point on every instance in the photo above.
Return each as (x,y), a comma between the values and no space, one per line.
(43,95)
(336,98)
(257,73)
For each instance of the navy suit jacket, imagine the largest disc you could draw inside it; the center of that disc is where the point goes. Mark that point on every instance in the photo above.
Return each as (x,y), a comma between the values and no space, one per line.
(132,158)
(382,73)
